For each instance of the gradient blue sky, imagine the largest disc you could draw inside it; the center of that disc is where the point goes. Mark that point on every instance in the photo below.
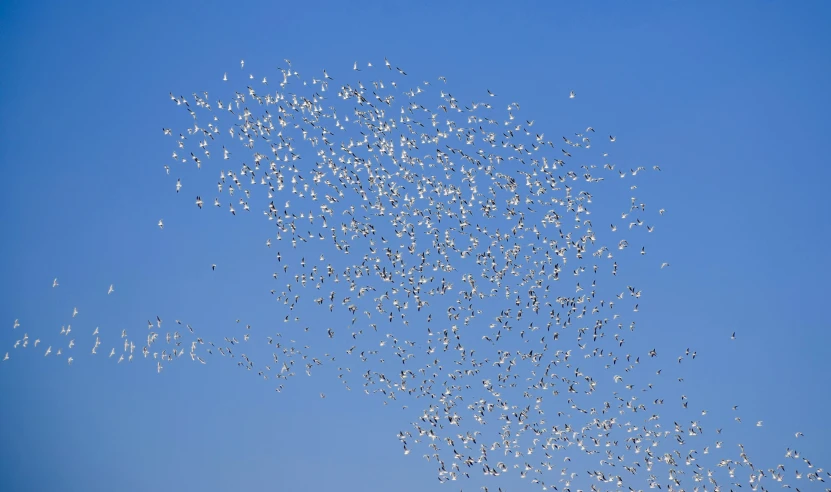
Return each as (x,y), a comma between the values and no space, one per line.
(730,98)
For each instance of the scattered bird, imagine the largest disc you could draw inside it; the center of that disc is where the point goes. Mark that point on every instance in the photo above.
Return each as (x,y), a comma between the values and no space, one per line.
(491,208)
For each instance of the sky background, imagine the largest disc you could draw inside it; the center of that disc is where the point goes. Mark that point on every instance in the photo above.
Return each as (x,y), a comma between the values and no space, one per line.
(729,99)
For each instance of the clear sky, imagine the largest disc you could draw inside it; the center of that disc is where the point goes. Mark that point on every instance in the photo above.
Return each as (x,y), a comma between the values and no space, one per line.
(730,99)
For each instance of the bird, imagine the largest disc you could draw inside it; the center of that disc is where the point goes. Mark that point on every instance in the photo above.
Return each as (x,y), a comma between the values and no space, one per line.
(55,283)
(161,224)
(571,95)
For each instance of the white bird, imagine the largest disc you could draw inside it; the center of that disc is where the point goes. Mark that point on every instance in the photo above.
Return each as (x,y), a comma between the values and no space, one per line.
(799,434)
(161,224)
(664,264)
(16,323)
(109,291)
(759,423)
(612,138)
(69,361)
(55,282)
(225,77)
(242,64)
(571,95)
(6,357)
(74,312)
(48,351)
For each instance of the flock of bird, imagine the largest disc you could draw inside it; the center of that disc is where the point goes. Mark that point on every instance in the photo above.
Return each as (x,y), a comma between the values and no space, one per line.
(452,245)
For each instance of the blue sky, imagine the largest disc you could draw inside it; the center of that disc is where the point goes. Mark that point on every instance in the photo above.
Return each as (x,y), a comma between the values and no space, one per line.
(728,100)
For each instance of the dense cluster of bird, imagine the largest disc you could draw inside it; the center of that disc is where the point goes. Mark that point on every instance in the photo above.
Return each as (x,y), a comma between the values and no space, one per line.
(453,246)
